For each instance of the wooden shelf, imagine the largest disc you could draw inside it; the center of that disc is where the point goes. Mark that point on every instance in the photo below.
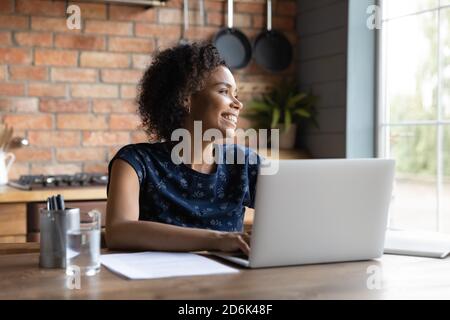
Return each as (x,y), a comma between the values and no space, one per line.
(11,195)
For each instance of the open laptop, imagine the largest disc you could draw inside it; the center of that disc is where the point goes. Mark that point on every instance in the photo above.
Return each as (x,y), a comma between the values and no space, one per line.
(319,211)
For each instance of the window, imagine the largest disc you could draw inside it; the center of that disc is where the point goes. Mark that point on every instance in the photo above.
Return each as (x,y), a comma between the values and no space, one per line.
(414,110)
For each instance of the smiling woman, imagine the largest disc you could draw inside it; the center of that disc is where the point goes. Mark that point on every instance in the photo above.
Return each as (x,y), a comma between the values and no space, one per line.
(155,203)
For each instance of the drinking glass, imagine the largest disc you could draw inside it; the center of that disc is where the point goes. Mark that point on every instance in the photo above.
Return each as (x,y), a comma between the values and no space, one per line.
(83,245)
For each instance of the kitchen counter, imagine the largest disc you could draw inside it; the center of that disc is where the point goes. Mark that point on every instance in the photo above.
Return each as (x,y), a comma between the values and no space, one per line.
(13,195)
(19,209)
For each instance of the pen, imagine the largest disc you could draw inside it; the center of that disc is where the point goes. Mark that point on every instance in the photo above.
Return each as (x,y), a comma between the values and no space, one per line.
(63,205)
(48,204)
(54,203)
(60,202)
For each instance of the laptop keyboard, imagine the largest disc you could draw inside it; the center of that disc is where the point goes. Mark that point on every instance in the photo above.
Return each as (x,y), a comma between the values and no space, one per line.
(240,255)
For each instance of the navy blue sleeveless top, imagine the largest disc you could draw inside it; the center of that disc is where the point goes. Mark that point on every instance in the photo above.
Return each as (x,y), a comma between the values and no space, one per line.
(178,195)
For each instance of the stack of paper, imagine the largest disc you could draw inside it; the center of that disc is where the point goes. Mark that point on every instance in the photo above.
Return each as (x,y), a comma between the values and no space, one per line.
(150,265)
(417,243)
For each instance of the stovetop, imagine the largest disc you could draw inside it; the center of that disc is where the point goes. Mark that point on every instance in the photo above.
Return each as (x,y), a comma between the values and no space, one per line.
(34,182)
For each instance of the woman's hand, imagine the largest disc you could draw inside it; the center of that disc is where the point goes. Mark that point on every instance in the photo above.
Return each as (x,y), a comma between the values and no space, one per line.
(233,241)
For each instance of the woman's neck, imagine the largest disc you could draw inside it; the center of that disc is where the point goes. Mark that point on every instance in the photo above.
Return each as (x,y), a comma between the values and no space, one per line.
(202,161)
(205,163)
(201,157)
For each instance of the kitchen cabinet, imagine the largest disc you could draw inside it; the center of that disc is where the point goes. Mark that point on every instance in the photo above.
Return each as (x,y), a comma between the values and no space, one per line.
(13,222)
(19,209)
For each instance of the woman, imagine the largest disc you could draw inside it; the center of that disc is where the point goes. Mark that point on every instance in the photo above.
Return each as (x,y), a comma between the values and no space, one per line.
(155,203)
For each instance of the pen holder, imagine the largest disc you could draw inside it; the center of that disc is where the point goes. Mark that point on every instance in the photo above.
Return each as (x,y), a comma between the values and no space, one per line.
(54,225)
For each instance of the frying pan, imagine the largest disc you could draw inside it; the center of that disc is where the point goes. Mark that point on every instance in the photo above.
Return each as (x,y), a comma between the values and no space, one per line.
(272,50)
(234,47)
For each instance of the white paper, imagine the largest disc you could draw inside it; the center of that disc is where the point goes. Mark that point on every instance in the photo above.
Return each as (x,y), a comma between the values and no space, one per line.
(417,243)
(151,265)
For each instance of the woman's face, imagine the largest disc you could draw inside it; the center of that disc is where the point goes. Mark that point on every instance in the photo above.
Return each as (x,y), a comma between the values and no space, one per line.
(217,104)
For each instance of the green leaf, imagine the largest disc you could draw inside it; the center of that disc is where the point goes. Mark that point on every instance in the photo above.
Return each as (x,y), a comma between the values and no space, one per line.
(270,101)
(303,113)
(287,120)
(258,106)
(275,118)
(283,104)
(295,99)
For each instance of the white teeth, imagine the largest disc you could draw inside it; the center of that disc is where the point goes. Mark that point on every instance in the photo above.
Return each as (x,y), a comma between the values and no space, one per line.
(231,118)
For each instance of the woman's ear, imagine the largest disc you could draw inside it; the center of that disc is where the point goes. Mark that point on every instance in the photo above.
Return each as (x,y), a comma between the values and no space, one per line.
(187,103)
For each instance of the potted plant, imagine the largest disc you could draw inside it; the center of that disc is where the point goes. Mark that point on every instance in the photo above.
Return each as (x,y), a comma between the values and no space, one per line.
(284,108)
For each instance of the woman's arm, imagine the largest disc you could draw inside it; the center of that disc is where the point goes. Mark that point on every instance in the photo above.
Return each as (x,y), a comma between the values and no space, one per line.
(125,231)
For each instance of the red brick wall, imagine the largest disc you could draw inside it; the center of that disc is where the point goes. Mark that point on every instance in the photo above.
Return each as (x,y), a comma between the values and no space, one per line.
(70,92)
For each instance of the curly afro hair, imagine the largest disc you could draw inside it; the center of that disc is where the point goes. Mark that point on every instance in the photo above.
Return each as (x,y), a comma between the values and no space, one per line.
(174,75)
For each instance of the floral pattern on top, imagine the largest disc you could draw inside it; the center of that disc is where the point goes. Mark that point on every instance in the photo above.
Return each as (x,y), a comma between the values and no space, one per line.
(178,195)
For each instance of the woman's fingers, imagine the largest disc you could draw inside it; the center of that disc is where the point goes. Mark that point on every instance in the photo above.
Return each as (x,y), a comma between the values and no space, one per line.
(246,238)
(243,245)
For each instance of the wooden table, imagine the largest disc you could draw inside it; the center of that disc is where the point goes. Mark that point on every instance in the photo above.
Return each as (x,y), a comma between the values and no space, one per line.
(402,277)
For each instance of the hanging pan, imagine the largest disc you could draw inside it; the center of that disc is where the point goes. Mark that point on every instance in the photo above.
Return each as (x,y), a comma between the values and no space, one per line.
(233,45)
(272,50)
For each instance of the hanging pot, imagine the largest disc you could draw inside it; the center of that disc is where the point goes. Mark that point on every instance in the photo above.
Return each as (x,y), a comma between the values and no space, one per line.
(272,50)
(233,45)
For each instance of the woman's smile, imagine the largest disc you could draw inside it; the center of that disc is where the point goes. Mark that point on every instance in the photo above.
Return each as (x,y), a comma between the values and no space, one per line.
(230,118)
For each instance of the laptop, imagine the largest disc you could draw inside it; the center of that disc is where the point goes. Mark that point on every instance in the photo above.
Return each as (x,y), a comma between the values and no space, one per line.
(319,211)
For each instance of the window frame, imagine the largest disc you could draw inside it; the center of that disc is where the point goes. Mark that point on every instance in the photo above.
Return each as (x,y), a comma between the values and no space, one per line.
(383,123)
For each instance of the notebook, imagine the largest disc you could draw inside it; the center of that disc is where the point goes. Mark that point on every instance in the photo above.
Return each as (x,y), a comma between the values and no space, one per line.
(152,265)
(417,243)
